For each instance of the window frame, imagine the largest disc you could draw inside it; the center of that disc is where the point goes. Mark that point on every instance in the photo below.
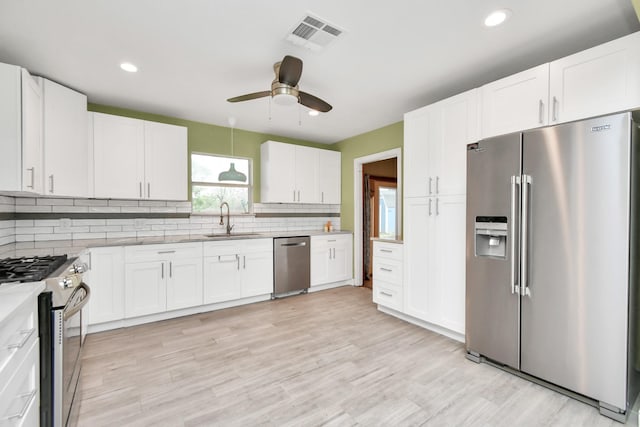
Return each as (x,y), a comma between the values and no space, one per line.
(248,185)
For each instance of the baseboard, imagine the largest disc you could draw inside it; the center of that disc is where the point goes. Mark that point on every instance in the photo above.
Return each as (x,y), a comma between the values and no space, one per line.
(331,285)
(426,325)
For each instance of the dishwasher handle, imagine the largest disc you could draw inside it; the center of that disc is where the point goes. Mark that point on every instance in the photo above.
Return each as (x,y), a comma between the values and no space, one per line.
(294,244)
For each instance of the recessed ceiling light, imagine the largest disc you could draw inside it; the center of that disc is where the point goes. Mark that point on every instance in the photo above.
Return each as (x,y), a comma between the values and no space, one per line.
(313,113)
(127,66)
(497,17)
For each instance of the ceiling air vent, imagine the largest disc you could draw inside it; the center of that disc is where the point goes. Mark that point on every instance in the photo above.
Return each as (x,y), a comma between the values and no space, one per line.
(313,33)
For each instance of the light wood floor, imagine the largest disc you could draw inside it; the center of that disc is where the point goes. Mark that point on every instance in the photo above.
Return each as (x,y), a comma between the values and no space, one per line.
(327,358)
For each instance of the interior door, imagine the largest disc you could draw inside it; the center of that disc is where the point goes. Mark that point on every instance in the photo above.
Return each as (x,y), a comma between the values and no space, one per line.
(492,305)
(574,320)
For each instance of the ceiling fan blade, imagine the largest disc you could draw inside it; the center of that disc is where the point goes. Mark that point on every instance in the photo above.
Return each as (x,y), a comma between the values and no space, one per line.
(250,96)
(313,102)
(290,70)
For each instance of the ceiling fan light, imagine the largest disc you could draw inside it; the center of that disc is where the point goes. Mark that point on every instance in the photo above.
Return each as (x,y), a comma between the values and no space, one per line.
(314,113)
(497,17)
(232,175)
(285,99)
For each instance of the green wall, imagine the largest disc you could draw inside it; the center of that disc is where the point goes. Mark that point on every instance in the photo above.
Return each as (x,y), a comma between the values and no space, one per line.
(378,140)
(212,139)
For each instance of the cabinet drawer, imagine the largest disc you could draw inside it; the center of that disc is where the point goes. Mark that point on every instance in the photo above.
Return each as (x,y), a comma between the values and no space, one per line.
(159,252)
(387,250)
(19,401)
(257,245)
(388,295)
(387,270)
(227,247)
(16,335)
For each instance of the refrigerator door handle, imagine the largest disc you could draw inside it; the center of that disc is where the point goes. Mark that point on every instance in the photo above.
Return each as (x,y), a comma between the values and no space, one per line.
(515,283)
(524,240)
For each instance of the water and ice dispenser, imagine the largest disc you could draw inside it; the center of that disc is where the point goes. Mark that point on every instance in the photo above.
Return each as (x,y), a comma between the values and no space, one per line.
(491,236)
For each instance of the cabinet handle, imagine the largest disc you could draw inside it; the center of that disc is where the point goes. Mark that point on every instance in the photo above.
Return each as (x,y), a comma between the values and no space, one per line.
(221,261)
(437,185)
(554,115)
(334,253)
(437,206)
(430,180)
(298,195)
(33,177)
(329,253)
(333,240)
(238,261)
(51,183)
(26,334)
(148,190)
(322,197)
(244,262)
(541,112)
(166,252)
(162,271)
(386,250)
(430,207)
(386,269)
(170,269)
(386,294)
(89,260)
(141,189)
(30,396)
(294,195)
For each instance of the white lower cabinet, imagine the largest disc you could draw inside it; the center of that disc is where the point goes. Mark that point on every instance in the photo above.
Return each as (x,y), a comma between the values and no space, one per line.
(387,275)
(434,260)
(331,258)
(162,277)
(237,269)
(106,280)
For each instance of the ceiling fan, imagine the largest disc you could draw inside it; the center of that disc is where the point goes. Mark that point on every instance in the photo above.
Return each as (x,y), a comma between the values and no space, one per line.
(284,88)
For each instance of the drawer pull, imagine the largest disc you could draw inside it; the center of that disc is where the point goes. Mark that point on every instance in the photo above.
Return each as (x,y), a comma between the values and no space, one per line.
(26,334)
(30,396)
(220,260)
(386,294)
(386,269)
(386,250)
(166,252)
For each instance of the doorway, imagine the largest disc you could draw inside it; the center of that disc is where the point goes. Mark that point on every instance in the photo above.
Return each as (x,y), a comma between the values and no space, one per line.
(377,189)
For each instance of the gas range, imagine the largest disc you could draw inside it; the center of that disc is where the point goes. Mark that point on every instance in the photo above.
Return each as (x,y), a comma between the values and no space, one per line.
(29,269)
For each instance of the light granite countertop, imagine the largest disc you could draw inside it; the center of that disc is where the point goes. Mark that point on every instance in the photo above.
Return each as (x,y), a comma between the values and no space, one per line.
(75,247)
(14,295)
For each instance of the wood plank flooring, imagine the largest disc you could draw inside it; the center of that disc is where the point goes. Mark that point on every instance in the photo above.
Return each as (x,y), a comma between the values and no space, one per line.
(328,358)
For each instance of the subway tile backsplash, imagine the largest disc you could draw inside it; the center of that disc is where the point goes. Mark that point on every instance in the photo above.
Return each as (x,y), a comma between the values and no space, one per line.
(266,218)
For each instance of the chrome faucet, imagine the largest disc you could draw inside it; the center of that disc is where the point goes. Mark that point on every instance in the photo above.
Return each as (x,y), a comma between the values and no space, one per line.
(229,226)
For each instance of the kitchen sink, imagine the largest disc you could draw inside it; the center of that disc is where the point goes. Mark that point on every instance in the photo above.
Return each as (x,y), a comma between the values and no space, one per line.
(231,236)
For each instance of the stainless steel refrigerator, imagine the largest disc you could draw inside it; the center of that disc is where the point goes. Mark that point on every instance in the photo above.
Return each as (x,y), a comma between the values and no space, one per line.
(552,256)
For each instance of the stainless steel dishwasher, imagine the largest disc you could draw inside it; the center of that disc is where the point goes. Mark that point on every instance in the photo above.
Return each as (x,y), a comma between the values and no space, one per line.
(291,265)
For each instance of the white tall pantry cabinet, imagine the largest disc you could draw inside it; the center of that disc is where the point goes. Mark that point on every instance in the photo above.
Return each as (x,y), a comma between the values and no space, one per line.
(435,143)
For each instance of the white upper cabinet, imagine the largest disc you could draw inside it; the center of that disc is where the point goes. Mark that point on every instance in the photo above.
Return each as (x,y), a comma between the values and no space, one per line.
(20,131)
(165,166)
(329,170)
(516,103)
(597,81)
(65,135)
(136,159)
(435,145)
(296,174)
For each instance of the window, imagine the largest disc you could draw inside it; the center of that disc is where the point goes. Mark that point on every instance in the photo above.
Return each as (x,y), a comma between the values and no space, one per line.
(208,191)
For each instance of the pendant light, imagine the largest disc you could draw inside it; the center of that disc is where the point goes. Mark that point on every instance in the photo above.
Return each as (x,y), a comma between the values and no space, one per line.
(232,174)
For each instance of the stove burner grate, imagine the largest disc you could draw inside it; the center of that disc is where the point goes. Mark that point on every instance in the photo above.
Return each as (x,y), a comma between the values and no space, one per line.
(29,269)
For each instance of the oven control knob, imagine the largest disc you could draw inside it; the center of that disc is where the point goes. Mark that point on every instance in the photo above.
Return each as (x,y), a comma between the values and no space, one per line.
(66,282)
(79,268)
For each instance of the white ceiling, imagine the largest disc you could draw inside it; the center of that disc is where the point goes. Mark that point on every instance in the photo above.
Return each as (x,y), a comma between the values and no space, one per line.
(194,54)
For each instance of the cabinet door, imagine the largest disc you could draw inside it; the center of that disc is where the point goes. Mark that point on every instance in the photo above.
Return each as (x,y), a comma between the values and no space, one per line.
(306,178)
(597,81)
(321,254)
(221,278)
(145,288)
(106,279)
(453,125)
(329,172)
(277,173)
(515,103)
(341,259)
(165,166)
(256,273)
(418,232)
(416,173)
(65,134)
(446,302)
(118,145)
(32,177)
(184,283)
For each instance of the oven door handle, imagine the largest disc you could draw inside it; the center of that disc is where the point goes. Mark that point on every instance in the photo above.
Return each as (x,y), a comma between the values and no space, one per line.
(76,308)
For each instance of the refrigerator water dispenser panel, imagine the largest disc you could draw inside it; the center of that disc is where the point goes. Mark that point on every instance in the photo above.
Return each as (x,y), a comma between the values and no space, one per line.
(491,236)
